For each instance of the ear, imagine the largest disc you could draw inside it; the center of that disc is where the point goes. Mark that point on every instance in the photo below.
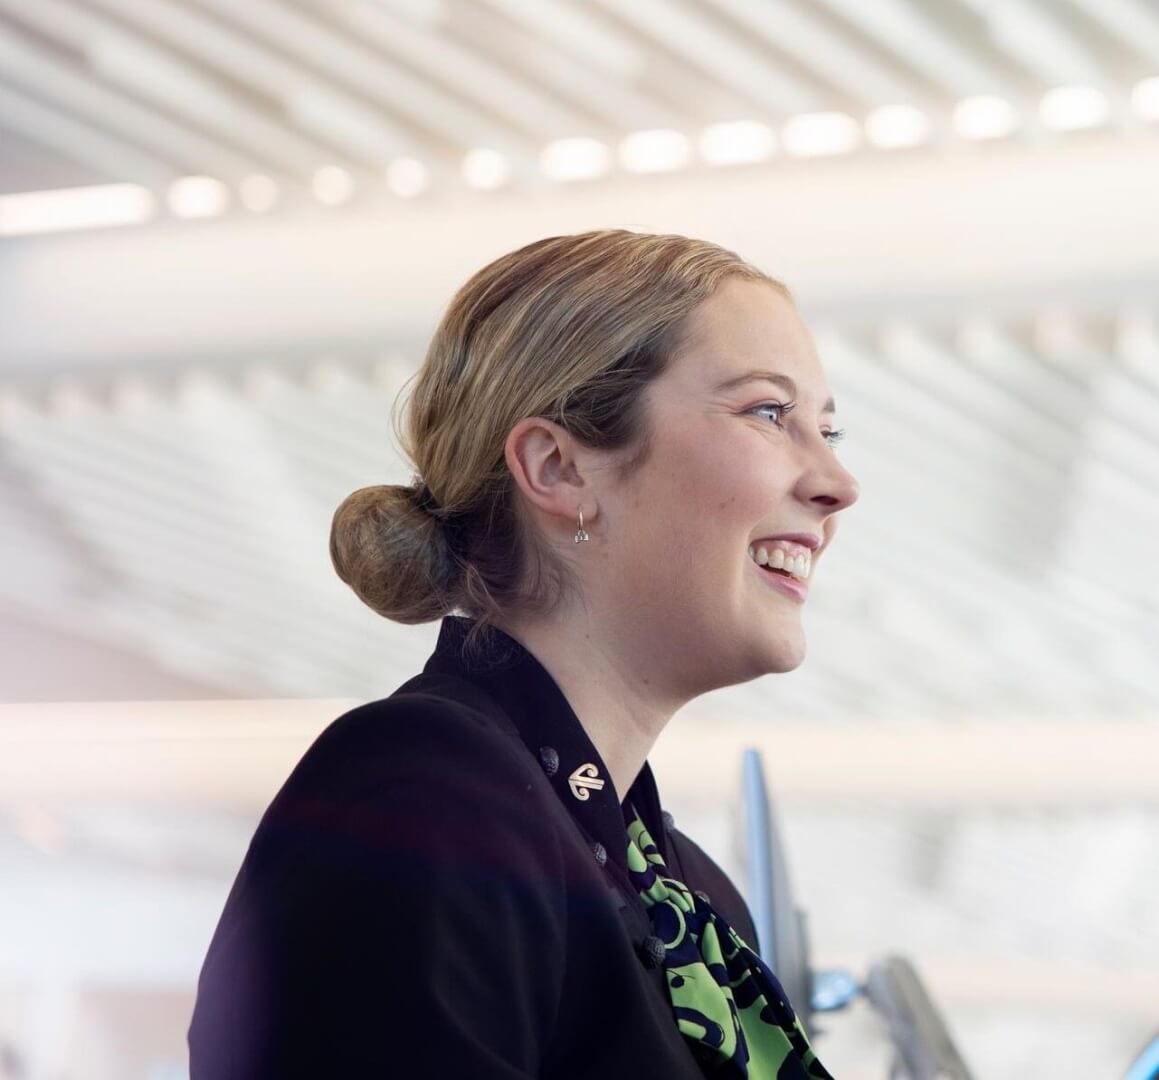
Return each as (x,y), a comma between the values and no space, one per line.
(545,461)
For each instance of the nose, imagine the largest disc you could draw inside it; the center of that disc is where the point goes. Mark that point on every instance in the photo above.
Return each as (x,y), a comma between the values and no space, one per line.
(828,483)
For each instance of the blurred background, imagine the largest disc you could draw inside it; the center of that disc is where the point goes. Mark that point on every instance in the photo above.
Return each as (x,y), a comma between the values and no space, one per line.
(227,230)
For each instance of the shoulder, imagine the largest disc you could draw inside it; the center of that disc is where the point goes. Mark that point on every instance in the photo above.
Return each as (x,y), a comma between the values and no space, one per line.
(403,860)
(433,735)
(420,775)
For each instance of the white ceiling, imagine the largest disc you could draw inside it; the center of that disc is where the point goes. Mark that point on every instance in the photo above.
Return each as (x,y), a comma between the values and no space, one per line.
(95,91)
(184,403)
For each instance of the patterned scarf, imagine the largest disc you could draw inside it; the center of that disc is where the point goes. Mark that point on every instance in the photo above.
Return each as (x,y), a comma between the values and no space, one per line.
(727,1001)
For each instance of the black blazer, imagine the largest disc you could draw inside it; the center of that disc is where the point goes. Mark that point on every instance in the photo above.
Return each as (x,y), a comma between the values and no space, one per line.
(440,889)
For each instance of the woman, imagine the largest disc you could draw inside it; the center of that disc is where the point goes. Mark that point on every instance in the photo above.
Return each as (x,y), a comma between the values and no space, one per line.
(474,876)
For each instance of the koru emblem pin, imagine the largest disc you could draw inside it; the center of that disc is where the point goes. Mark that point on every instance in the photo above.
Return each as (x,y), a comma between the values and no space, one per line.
(586,776)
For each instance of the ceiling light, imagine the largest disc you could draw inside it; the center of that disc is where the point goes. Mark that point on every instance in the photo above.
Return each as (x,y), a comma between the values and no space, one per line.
(815,134)
(486,168)
(263,383)
(1145,98)
(654,150)
(67,399)
(1057,335)
(133,394)
(333,185)
(329,375)
(1071,108)
(75,208)
(258,193)
(197,197)
(575,159)
(984,116)
(736,142)
(407,177)
(895,126)
(39,828)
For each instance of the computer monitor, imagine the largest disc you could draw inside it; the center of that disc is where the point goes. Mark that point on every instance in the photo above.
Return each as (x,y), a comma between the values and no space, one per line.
(781,931)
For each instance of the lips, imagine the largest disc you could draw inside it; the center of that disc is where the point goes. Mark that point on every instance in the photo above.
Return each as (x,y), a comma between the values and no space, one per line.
(784,583)
(806,539)
(792,586)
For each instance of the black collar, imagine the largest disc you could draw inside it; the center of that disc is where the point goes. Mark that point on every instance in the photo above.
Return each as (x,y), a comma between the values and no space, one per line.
(509,674)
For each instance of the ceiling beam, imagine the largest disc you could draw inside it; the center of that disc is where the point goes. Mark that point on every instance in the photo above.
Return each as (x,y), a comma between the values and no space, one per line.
(867,236)
(36,70)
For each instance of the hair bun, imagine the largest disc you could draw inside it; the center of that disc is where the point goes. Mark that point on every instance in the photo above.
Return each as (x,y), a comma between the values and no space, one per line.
(392,556)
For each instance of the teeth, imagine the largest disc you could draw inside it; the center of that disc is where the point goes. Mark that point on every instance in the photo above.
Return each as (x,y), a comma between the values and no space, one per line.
(778,559)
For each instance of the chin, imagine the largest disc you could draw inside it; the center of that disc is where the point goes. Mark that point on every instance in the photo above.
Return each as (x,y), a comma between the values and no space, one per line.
(786,664)
(788,656)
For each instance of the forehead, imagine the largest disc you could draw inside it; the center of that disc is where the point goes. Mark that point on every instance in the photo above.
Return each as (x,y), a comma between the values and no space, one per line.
(748,324)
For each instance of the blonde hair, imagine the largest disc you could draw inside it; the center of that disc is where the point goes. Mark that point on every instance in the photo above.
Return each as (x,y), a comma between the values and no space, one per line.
(571,328)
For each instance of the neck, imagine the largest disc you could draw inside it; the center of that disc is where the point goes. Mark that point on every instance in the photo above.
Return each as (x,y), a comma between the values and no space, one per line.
(619,708)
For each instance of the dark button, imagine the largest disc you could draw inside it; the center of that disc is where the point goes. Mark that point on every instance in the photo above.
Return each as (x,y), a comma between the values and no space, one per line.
(652,951)
(669,820)
(703,896)
(549,759)
(601,852)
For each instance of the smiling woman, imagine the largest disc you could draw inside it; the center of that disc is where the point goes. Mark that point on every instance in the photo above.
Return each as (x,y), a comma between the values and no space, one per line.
(474,875)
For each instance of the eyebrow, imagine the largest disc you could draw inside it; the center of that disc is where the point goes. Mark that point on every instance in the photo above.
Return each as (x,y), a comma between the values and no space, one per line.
(783,381)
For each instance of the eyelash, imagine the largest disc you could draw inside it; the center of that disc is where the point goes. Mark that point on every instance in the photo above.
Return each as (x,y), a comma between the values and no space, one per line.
(831,437)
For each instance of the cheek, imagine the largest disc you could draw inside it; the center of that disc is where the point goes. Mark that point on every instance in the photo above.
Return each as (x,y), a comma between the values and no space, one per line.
(720,510)
(722,471)
(750,496)
(685,515)
(696,480)
(710,486)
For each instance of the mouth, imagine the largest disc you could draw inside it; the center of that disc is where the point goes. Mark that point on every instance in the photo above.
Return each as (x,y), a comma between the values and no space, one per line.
(786,568)
(783,557)
(784,583)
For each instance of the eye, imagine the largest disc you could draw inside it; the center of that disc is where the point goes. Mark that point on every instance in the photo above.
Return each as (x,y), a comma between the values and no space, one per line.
(783,409)
(832,437)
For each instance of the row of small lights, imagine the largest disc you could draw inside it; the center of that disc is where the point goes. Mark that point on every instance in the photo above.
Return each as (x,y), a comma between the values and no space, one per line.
(1064,108)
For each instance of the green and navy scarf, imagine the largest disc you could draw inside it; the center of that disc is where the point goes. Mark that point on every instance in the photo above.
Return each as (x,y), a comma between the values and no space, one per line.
(728,1003)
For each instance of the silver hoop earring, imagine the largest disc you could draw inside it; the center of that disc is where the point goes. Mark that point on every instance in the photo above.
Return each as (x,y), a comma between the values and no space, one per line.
(580,535)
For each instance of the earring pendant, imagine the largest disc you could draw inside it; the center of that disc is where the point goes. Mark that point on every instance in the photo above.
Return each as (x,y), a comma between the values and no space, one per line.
(581,535)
